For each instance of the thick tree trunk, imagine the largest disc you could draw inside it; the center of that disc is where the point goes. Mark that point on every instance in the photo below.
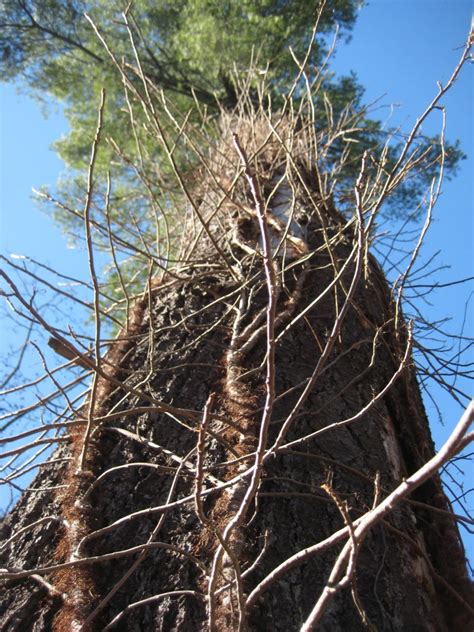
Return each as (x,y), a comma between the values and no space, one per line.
(196,335)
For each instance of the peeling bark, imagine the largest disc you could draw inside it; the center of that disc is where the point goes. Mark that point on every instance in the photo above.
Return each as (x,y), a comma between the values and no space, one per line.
(410,573)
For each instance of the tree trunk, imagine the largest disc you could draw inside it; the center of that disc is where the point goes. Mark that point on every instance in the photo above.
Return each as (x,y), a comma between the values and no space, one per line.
(356,433)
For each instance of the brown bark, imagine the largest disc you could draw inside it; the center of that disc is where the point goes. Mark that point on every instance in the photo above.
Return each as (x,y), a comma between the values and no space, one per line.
(410,573)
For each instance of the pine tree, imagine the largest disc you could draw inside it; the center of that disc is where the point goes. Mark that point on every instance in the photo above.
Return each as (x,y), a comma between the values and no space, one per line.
(253,451)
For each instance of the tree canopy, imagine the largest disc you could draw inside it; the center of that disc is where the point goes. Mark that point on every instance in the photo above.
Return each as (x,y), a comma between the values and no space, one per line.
(193,57)
(191,50)
(186,46)
(237,185)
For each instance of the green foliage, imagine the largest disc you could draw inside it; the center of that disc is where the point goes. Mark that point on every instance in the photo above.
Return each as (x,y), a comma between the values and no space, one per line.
(193,54)
(189,48)
(184,45)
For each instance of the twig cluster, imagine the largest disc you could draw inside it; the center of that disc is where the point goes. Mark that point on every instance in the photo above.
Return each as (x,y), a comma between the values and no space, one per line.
(243,212)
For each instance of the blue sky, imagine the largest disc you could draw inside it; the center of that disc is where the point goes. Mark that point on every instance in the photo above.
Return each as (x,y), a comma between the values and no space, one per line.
(399,49)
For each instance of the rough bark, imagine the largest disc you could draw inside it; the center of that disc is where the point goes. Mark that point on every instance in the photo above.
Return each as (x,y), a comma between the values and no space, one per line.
(410,573)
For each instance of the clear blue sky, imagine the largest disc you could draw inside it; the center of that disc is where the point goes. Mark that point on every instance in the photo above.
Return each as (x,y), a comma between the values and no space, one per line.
(399,49)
